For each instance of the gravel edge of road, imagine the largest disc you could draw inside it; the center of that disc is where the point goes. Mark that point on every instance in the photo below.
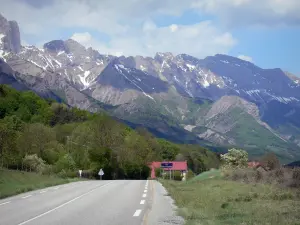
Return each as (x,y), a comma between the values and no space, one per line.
(163,210)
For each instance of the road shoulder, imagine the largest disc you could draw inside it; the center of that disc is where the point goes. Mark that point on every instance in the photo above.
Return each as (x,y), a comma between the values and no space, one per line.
(162,210)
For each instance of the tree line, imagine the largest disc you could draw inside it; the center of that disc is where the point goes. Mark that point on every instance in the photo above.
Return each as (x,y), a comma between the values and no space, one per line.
(48,137)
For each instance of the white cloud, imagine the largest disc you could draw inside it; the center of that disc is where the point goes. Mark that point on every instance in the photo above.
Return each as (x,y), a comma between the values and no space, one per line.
(199,40)
(173,27)
(129,24)
(246,58)
(83,38)
(252,12)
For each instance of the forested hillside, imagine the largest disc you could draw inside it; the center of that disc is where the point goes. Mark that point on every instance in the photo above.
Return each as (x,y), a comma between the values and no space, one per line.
(47,137)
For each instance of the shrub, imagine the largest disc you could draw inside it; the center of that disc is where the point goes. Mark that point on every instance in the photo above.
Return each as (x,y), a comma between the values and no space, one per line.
(295,178)
(34,163)
(190,174)
(65,163)
(177,176)
(158,172)
(270,161)
(235,158)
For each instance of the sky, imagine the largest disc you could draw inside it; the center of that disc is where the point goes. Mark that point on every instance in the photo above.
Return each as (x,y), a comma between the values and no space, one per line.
(265,32)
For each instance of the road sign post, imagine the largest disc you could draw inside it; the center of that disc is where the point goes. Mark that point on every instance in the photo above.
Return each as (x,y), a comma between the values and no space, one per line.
(101,173)
(167,165)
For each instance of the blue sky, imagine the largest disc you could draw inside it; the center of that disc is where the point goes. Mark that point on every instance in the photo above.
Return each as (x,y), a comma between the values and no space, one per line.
(263,31)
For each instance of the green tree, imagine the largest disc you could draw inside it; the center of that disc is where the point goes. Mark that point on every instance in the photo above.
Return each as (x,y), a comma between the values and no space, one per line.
(168,150)
(235,158)
(34,139)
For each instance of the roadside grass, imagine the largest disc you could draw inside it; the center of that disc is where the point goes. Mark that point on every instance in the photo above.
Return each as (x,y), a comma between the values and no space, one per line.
(217,201)
(212,174)
(15,182)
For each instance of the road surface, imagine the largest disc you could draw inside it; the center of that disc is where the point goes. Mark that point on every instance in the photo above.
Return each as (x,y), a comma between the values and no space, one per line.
(119,202)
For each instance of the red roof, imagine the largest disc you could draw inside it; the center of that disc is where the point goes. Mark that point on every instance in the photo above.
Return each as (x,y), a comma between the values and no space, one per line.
(253,164)
(177,165)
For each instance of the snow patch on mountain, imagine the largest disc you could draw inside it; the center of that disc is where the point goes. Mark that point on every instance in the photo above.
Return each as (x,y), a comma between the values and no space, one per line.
(1,36)
(79,67)
(224,61)
(83,78)
(191,67)
(120,69)
(60,53)
(142,68)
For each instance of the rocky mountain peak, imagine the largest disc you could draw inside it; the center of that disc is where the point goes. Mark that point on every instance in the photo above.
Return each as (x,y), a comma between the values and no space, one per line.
(74,46)
(10,40)
(163,56)
(56,46)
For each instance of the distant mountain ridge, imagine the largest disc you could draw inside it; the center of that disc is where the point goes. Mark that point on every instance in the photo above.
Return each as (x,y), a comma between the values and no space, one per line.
(217,101)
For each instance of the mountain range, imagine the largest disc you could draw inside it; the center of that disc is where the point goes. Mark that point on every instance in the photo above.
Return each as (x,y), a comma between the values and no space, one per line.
(219,101)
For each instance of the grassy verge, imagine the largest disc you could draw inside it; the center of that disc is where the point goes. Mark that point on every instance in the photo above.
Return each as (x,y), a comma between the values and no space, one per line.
(16,182)
(214,201)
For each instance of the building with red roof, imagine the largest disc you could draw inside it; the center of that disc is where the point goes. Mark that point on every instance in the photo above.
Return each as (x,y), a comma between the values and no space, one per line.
(176,166)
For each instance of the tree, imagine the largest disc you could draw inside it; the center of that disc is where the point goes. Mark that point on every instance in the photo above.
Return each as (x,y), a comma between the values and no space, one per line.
(270,161)
(168,150)
(8,150)
(34,139)
(235,158)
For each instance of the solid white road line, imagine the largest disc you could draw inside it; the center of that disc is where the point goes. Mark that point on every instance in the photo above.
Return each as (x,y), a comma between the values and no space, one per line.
(66,203)
(144,195)
(145,191)
(27,196)
(142,202)
(4,203)
(41,192)
(137,212)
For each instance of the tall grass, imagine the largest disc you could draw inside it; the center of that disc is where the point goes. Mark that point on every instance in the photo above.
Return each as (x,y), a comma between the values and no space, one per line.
(14,182)
(216,201)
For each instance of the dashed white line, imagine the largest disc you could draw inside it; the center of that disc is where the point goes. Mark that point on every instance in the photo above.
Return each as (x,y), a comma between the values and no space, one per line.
(145,191)
(56,188)
(27,196)
(144,195)
(41,192)
(142,202)
(4,203)
(137,212)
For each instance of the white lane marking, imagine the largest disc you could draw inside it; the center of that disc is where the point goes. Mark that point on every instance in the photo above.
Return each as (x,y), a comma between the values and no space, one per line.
(4,203)
(142,202)
(144,195)
(56,188)
(27,196)
(137,212)
(41,192)
(146,187)
(145,191)
(66,203)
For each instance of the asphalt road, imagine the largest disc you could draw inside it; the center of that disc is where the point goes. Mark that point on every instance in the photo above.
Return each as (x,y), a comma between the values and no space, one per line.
(87,202)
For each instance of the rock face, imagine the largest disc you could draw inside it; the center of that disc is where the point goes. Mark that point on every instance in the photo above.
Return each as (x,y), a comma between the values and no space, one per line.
(220,99)
(9,35)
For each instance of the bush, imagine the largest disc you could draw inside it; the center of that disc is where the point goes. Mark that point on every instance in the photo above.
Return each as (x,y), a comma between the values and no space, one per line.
(235,158)
(65,163)
(177,176)
(284,177)
(158,172)
(270,161)
(295,178)
(34,163)
(189,175)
